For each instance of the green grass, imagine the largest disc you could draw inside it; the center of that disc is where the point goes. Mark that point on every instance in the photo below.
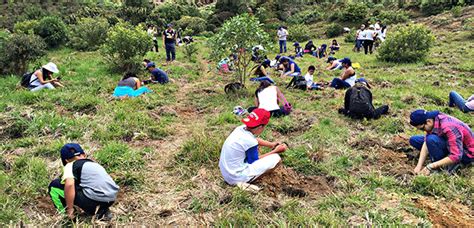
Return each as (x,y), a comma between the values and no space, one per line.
(117,133)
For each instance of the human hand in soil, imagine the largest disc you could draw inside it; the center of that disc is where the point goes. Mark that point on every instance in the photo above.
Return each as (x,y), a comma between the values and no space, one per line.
(70,213)
(425,172)
(417,170)
(281,148)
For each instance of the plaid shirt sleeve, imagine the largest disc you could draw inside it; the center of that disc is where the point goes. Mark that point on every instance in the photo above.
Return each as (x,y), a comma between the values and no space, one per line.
(455,142)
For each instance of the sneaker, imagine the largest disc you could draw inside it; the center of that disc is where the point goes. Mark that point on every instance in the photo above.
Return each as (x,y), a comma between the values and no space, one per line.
(105,216)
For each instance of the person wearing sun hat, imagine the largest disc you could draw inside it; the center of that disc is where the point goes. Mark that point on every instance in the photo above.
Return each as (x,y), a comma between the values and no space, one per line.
(84,183)
(448,141)
(42,78)
(240,161)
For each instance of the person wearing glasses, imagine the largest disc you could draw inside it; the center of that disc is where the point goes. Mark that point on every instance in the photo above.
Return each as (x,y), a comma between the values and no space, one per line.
(449,143)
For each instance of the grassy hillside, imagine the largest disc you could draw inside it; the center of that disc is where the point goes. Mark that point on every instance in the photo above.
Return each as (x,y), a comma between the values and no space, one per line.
(163,148)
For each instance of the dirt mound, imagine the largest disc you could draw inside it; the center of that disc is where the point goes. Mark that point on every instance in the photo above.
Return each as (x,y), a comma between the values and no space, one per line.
(445,214)
(289,182)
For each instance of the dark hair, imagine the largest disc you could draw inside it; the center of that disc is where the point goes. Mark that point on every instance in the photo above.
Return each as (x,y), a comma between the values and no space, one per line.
(129,75)
(383,28)
(284,60)
(311,68)
(45,73)
(263,85)
(146,60)
(334,41)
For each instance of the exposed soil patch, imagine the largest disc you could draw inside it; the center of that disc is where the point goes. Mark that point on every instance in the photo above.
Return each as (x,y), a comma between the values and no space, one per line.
(289,182)
(45,205)
(446,214)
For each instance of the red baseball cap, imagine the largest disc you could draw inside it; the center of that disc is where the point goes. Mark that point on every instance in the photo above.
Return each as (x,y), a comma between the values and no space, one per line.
(256,118)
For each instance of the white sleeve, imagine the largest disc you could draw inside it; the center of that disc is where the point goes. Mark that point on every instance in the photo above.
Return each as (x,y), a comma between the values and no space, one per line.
(67,172)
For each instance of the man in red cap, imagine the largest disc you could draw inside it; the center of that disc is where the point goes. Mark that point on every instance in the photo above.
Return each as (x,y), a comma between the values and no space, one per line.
(240,161)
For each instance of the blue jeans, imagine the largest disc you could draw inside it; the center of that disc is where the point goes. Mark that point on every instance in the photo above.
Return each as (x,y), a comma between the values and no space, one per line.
(358,44)
(282,46)
(458,100)
(437,147)
(170,51)
(264,78)
(338,83)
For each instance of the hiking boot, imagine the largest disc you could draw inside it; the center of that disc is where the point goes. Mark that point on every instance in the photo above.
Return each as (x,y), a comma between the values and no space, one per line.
(104,216)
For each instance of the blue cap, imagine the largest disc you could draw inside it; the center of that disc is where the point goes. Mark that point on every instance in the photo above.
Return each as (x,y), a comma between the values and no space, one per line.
(346,61)
(266,62)
(420,116)
(296,44)
(150,64)
(331,58)
(277,57)
(69,151)
(363,80)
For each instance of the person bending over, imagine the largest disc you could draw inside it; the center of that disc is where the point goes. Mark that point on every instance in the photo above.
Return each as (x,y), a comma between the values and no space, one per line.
(334,64)
(240,161)
(84,184)
(358,102)
(42,78)
(261,73)
(290,68)
(348,76)
(457,100)
(129,86)
(448,141)
(157,75)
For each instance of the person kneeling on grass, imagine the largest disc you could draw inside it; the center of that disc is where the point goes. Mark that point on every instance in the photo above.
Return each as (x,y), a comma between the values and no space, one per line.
(448,141)
(240,161)
(270,98)
(157,75)
(290,68)
(348,76)
(261,72)
(130,86)
(84,183)
(457,100)
(358,102)
(42,78)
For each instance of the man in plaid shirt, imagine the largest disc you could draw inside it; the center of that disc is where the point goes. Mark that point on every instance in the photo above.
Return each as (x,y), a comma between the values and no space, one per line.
(448,141)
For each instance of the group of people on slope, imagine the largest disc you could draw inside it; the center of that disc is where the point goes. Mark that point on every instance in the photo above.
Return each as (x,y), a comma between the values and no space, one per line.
(366,37)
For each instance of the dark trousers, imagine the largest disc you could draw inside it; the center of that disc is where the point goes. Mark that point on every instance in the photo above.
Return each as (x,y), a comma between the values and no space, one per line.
(87,205)
(338,83)
(274,113)
(358,44)
(170,51)
(282,46)
(155,43)
(437,147)
(368,46)
(370,114)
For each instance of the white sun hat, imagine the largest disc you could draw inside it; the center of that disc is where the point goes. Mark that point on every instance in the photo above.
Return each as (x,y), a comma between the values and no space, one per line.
(51,67)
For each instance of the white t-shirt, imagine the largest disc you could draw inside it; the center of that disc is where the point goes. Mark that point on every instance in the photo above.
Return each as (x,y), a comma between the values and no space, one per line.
(268,99)
(360,34)
(282,34)
(368,34)
(309,79)
(232,160)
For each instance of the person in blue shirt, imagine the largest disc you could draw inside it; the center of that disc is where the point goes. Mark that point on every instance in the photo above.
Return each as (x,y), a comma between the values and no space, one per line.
(157,75)
(291,68)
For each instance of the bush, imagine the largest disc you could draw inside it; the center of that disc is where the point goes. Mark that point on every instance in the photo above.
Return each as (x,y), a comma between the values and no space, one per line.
(334,30)
(125,46)
(299,33)
(393,17)
(456,11)
(26,27)
(190,50)
(89,33)
(305,17)
(18,50)
(350,36)
(134,15)
(52,30)
(194,25)
(407,44)
(436,7)
(354,12)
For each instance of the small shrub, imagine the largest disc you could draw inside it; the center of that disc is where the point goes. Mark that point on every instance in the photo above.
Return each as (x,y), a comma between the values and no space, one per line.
(26,27)
(305,17)
(194,25)
(19,50)
(354,12)
(299,33)
(436,7)
(52,30)
(393,17)
(334,30)
(125,46)
(406,44)
(190,50)
(89,33)
(350,36)
(456,11)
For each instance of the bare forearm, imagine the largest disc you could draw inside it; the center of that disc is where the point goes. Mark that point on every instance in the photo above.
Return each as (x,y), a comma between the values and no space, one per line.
(442,163)
(69,195)
(265,143)
(423,155)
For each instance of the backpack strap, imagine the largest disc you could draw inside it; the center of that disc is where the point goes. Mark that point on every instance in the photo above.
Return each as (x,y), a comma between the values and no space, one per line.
(77,171)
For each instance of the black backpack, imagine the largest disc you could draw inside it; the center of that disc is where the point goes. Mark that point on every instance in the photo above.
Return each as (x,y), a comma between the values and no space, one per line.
(25,80)
(77,171)
(360,104)
(297,82)
(233,87)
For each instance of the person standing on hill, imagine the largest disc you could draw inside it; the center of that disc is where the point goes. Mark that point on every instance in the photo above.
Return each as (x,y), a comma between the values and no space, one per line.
(170,42)
(448,141)
(240,161)
(368,37)
(84,183)
(282,34)
(359,38)
(152,33)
